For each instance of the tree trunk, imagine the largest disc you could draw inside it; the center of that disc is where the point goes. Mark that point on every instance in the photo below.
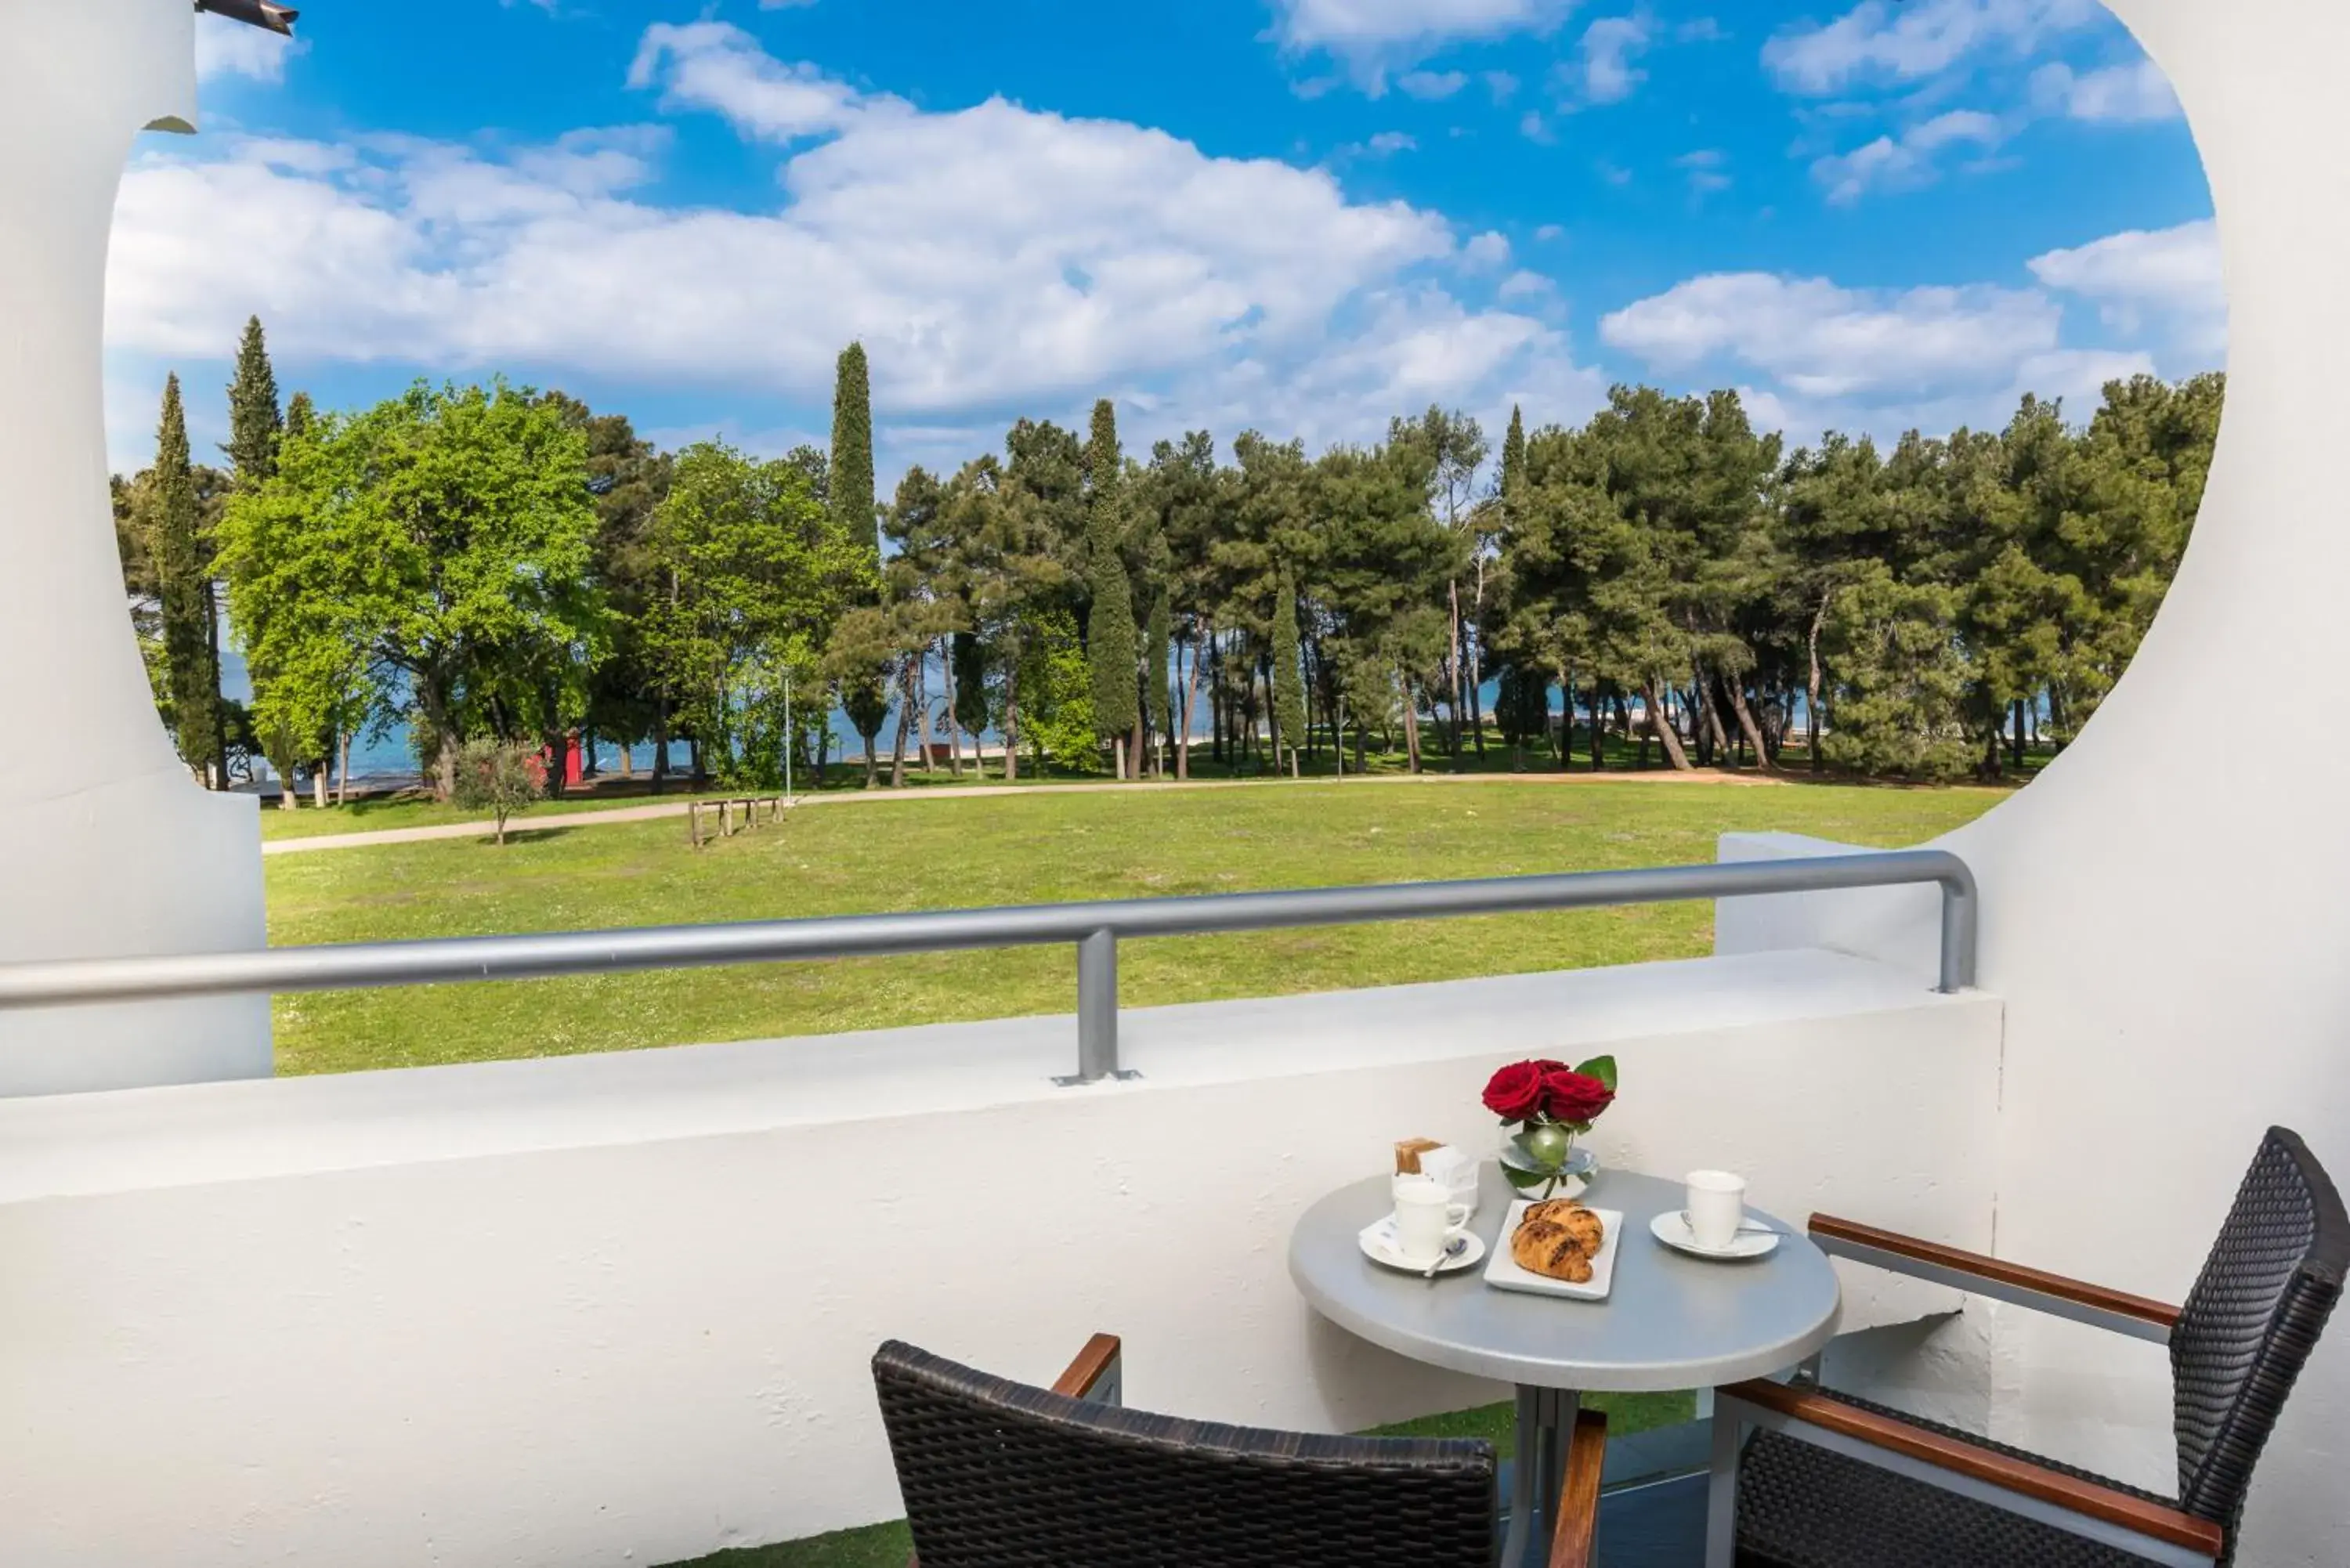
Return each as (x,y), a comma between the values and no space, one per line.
(1410,728)
(1477,662)
(1452,668)
(343,769)
(954,721)
(2016,749)
(922,707)
(660,747)
(1811,690)
(1011,724)
(1117,755)
(1708,714)
(905,717)
(1746,724)
(1668,734)
(1191,709)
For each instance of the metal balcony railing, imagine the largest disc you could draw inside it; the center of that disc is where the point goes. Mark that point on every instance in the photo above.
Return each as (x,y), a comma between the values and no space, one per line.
(1095,930)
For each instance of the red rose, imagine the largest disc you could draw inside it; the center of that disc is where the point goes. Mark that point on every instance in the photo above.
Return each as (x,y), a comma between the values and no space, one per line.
(1515,1092)
(1572,1096)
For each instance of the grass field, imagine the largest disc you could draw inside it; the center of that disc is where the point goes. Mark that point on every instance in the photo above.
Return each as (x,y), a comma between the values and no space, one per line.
(1023,847)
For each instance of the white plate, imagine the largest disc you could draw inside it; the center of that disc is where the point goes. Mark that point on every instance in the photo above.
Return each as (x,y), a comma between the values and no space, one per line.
(1753,1240)
(1378,1239)
(1504,1274)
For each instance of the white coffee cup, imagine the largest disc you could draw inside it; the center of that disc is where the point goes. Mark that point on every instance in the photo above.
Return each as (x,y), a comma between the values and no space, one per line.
(1426,1219)
(1717,1207)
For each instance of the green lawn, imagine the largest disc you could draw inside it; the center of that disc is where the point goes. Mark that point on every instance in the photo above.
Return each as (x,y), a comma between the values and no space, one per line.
(888,1545)
(1023,847)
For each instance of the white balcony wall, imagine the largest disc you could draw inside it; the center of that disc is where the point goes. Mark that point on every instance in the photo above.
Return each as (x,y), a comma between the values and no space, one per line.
(618,1309)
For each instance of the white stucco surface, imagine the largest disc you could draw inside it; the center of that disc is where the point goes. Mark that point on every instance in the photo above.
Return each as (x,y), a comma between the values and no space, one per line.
(619,1309)
(2162,910)
(106,848)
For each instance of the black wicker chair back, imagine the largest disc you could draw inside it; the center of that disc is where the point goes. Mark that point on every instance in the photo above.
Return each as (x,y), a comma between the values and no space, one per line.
(996,1472)
(2250,1320)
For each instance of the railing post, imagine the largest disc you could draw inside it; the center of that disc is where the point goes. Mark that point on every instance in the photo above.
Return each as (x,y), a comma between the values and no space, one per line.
(1097,1009)
(1958,931)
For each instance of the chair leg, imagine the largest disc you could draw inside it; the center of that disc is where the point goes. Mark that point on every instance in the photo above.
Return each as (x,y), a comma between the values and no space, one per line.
(1721,1487)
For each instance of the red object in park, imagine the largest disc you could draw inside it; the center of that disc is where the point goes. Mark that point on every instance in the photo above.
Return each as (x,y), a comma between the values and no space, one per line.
(574,764)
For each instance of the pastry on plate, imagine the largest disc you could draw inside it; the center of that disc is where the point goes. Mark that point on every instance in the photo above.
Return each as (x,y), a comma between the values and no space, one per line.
(1554,1249)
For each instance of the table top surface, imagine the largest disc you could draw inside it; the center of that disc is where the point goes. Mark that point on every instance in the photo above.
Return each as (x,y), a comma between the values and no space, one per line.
(1670,1321)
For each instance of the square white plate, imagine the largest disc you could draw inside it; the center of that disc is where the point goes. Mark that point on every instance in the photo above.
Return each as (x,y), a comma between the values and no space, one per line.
(1502,1271)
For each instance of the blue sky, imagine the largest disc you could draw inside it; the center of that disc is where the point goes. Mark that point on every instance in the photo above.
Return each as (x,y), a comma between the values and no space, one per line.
(1300,215)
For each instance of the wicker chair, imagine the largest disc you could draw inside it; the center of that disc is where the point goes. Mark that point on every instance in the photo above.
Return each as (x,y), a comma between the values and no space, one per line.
(1829,1481)
(996,1474)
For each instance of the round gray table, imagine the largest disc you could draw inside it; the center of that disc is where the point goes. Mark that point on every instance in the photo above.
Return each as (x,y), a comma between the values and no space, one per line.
(1670,1321)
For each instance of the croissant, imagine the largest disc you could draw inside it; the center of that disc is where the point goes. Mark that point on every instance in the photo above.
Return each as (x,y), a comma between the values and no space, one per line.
(1550,1248)
(1585,1226)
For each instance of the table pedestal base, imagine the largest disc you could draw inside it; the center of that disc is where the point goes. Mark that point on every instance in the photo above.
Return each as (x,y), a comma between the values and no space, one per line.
(1546,1427)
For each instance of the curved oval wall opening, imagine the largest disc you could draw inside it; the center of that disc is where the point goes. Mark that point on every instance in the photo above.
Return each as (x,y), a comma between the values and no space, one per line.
(1820,397)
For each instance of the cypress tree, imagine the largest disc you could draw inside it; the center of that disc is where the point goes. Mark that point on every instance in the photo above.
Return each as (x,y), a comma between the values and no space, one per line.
(1111,651)
(864,694)
(185,592)
(1288,681)
(1513,464)
(254,425)
(851,467)
(300,415)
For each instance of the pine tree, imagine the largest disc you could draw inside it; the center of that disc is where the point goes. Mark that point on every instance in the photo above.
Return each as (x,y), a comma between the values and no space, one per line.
(1109,631)
(254,425)
(186,593)
(1289,684)
(299,416)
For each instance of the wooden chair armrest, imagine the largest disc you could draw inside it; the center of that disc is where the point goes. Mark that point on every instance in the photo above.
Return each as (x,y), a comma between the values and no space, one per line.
(1994,1277)
(1578,1499)
(2157,1521)
(1094,1374)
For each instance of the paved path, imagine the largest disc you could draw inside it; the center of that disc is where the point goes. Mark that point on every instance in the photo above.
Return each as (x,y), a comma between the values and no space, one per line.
(660,810)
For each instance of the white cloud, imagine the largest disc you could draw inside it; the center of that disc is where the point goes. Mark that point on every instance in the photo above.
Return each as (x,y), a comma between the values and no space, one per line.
(1490,249)
(1387,143)
(1376,36)
(1820,340)
(2167,279)
(1550,232)
(1704,168)
(1501,84)
(2128,94)
(1878,43)
(719,67)
(1431,85)
(1906,162)
(1606,73)
(990,258)
(226,48)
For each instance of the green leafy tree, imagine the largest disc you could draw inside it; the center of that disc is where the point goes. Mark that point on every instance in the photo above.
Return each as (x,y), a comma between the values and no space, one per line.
(754,576)
(501,777)
(442,540)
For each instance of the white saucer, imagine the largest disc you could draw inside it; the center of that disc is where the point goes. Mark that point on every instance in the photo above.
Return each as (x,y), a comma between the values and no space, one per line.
(1377,1240)
(1754,1239)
